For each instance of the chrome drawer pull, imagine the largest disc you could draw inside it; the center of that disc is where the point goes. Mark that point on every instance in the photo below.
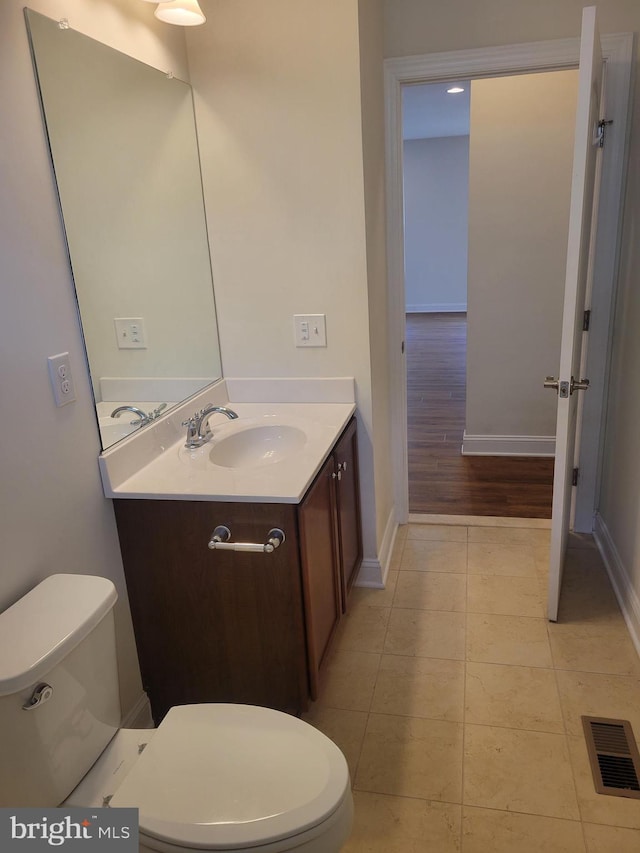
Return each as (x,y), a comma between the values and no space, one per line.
(220,541)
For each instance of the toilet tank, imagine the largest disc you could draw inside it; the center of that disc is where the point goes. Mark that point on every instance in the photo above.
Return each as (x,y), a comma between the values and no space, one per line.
(60,635)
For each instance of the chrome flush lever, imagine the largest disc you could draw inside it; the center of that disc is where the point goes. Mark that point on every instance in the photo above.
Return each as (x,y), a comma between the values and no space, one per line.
(41,694)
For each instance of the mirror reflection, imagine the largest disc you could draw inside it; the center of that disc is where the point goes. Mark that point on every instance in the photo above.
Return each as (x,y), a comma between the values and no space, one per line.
(124,150)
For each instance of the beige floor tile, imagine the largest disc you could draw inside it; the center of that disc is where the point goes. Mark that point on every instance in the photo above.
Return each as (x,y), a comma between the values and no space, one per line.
(517,697)
(506,595)
(410,757)
(369,597)
(587,596)
(386,824)
(349,679)
(509,535)
(520,771)
(426,633)
(431,591)
(401,532)
(611,839)
(420,687)
(363,629)
(396,553)
(489,831)
(439,532)
(594,807)
(540,554)
(345,728)
(594,647)
(498,559)
(515,640)
(425,556)
(597,695)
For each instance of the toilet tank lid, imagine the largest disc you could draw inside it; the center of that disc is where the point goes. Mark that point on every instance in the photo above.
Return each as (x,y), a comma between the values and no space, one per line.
(42,627)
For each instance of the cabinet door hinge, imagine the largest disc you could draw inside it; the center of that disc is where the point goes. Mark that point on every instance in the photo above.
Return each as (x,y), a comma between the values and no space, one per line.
(574,477)
(586,320)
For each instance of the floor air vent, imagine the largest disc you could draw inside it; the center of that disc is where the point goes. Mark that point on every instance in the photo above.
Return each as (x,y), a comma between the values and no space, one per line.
(613,753)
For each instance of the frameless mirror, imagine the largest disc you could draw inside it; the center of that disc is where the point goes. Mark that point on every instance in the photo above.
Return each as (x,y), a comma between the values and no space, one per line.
(124,149)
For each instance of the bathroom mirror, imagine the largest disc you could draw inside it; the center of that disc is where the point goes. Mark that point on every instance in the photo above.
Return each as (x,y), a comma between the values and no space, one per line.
(124,150)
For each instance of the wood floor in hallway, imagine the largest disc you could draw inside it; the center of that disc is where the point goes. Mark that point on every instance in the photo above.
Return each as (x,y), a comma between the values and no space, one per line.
(441,480)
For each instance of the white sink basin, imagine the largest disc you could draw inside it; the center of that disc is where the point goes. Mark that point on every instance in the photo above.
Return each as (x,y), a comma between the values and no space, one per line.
(257,446)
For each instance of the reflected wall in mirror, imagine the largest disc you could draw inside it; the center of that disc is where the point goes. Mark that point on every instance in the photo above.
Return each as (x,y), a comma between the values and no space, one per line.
(125,155)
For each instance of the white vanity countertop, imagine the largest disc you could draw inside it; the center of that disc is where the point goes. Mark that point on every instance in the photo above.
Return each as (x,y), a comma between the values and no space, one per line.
(181,474)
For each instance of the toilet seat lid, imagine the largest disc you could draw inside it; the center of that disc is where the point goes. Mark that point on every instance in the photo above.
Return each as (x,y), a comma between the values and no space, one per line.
(225,776)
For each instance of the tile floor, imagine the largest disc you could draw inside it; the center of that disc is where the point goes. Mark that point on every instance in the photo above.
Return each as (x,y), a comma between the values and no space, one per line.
(458,705)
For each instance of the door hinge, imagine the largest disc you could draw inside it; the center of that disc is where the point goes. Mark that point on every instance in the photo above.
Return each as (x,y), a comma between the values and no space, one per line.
(586,320)
(602,129)
(574,477)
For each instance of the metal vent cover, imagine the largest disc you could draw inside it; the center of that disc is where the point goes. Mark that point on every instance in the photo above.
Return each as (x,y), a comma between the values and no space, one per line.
(614,757)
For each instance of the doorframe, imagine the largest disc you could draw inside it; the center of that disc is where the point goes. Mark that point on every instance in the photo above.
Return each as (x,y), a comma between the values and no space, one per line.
(555,55)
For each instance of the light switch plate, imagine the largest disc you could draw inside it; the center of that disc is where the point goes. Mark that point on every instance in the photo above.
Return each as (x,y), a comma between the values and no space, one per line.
(130,332)
(310,330)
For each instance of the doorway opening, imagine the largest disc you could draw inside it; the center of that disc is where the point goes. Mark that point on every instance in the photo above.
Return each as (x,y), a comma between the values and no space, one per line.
(490,62)
(486,210)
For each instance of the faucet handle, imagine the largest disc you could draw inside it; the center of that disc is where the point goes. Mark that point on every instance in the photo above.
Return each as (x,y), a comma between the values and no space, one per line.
(192,431)
(156,412)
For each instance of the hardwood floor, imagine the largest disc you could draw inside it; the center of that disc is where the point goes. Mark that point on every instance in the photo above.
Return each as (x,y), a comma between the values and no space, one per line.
(441,480)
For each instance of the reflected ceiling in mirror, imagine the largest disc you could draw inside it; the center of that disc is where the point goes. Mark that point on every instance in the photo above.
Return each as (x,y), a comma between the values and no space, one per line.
(124,149)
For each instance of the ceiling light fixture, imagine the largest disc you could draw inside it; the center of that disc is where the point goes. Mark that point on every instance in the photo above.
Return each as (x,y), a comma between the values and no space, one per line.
(184,13)
(454,90)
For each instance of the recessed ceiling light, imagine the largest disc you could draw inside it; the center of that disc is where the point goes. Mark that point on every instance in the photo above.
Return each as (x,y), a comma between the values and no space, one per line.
(455,90)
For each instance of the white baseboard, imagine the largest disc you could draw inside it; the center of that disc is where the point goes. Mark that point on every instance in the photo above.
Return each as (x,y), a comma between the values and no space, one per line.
(373,572)
(508,445)
(139,717)
(619,576)
(438,308)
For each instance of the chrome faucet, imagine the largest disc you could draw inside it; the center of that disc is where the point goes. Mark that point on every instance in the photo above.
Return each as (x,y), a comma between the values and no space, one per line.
(143,417)
(198,429)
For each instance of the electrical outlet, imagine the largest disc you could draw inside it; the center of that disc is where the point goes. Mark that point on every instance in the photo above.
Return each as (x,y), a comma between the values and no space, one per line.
(310,330)
(61,378)
(130,332)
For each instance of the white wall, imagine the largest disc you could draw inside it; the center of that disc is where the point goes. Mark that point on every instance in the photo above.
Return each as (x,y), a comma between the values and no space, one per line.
(278,108)
(414,26)
(619,508)
(54,517)
(436,193)
(429,26)
(371,81)
(520,156)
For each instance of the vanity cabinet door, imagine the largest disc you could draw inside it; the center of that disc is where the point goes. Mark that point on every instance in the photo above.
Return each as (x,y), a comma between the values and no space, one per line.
(320,573)
(348,508)
(210,625)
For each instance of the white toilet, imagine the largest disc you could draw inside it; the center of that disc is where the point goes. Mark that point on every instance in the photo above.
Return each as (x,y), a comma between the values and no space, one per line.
(210,777)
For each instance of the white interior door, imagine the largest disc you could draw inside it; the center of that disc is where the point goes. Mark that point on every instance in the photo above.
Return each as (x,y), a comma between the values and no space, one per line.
(577,285)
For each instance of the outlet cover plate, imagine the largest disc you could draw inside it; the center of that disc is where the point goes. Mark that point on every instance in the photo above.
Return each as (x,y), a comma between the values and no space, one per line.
(61,378)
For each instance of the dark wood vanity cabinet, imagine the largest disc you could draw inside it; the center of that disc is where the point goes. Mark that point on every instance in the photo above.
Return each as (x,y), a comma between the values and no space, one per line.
(347,482)
(232,626)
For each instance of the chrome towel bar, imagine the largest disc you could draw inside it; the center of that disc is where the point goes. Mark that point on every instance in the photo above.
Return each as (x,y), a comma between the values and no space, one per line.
(220,541)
